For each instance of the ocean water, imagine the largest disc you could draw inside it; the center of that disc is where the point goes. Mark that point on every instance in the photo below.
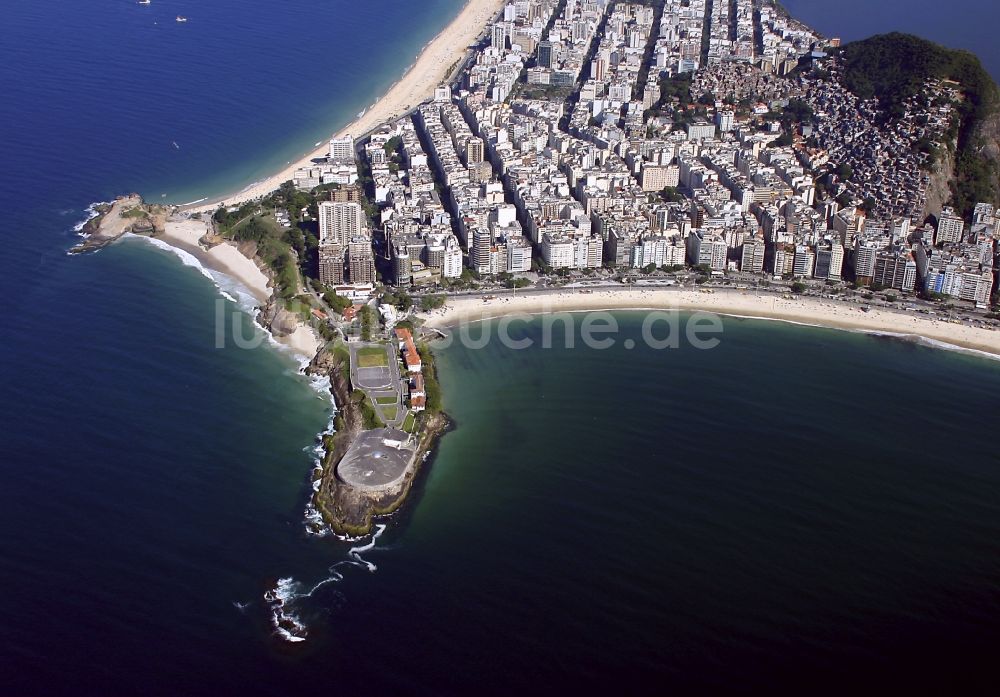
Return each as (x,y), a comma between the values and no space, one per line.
(798,507)
(966,24)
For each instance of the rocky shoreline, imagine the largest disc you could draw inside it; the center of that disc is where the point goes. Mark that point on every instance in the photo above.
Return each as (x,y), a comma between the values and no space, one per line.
(348,511)
(344,509)
(126,214)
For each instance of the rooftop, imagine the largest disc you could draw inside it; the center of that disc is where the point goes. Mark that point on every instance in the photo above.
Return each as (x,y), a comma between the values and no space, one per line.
(377,459)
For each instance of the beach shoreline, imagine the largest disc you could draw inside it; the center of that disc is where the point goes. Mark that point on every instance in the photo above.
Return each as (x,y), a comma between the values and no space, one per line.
(815,312)
(226,258)
(431,66)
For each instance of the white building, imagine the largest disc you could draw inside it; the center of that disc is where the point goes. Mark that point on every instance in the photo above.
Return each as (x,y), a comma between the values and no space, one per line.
(342,149)
(950,227)
(340,222)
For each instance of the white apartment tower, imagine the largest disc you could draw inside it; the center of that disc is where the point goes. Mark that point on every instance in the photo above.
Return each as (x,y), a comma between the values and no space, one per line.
(725,119)
(339,222)
(950,227)
(342,149)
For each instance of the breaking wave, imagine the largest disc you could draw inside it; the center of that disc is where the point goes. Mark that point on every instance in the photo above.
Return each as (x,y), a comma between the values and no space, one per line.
(285,599)
(229,287)
(92,213)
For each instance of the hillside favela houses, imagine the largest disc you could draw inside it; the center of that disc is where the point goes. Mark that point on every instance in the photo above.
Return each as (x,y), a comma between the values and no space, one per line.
(596,139)
(596,144)
(722,147)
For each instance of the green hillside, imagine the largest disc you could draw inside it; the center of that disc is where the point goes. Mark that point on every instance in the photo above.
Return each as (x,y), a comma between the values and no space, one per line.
(894,67)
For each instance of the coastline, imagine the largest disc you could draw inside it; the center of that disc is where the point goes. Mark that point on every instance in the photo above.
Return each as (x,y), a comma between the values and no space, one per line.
(431,66)
(226,258)
(814,312)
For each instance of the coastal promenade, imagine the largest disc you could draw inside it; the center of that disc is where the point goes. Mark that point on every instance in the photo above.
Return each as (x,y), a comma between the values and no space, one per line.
(738,303)
(432,66)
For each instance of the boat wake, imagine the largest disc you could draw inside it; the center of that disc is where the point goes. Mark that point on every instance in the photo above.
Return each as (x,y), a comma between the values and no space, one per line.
(286,599)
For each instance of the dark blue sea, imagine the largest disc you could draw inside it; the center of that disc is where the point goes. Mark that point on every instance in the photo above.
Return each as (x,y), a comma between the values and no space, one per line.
(966,24)
(798,509)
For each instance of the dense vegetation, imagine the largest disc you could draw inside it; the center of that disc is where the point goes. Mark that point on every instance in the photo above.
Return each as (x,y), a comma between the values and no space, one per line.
(290,252)
(431,386)
(251,223)
(894,67)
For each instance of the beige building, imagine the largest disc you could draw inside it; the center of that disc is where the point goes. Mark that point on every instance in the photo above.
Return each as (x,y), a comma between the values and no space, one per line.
(657,177)
(361,261)
(331,264)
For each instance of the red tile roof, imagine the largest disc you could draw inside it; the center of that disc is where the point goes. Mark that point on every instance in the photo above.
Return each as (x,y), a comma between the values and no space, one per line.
(410,353)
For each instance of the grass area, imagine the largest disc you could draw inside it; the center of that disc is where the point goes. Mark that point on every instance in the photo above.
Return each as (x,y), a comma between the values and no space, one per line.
(370,418)
(372,357)
(384,401)
(409,422)
(300,305)
(388,414)
(134,213)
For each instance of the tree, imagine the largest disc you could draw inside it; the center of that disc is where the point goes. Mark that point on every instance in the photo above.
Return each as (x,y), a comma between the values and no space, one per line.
(338,303)
(431,302)
(367,315)
(782,141)
(403,301)
(670,194)
(392,145)
(799,287)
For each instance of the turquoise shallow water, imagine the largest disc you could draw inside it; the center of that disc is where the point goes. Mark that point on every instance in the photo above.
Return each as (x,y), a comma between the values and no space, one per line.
(797,507)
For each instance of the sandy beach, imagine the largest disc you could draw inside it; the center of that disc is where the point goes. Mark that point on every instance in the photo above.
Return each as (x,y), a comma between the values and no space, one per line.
(430,68)
(185,234)
(813,311)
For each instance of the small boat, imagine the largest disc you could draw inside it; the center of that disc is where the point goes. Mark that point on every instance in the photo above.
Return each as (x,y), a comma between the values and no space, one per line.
(181,19)
(144,2)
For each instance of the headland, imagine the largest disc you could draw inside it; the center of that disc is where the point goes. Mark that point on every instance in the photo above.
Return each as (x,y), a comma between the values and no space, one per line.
(718,156)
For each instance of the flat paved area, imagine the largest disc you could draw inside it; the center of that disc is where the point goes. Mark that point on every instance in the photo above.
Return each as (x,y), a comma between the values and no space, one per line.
(373,378)
(381,381)
(371,464)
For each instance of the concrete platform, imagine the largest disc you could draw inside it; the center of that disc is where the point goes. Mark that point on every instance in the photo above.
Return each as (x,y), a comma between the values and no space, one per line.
(374,378)
(377,460)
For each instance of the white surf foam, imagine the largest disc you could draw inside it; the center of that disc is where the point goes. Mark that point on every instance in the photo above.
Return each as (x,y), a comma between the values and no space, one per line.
(355,552)
(229,287)
(286,623)
(92,213)
(287,592)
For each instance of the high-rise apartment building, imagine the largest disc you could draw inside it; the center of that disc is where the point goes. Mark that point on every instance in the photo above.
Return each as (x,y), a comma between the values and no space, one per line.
(339,222)
(950,227)
(342,149)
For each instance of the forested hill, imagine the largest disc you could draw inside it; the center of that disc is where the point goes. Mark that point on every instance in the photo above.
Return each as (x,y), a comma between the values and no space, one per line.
(894,67)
